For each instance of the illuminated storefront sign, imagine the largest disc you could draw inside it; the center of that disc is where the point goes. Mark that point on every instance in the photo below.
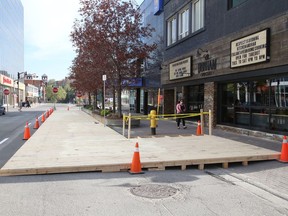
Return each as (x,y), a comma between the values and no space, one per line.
(180,69)
(251,49)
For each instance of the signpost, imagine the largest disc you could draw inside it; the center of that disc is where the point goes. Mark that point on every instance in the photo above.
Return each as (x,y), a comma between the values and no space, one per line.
(55,90)
(79,94)
(6,92)
(104,80)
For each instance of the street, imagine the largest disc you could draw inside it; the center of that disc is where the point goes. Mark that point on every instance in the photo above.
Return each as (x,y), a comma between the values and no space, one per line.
(170,192)
(12,128)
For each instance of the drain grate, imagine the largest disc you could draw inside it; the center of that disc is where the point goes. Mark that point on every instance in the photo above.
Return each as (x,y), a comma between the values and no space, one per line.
(154,191)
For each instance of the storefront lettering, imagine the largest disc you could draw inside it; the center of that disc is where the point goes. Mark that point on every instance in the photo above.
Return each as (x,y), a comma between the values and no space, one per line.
(180,69)
(250,49)
(6,80)
(207,65)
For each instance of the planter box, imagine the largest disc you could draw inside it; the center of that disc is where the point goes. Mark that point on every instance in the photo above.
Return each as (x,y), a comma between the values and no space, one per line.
(112,122)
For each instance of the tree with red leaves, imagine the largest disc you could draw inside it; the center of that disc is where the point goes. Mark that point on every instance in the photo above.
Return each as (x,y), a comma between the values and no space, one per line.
(108,41)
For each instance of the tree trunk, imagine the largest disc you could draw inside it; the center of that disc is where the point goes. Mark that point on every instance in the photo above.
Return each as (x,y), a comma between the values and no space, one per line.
(95,99)
(119,103)
(114,99)
(89,98)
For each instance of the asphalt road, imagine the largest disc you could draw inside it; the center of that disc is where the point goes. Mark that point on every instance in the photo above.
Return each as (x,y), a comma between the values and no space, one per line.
(170,192)
(12,126)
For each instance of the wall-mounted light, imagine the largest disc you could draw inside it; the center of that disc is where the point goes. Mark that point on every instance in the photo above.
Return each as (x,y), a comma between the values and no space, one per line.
(203,53)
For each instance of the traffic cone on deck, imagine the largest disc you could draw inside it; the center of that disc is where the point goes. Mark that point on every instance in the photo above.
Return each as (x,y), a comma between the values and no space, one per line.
(284,151)
(136,164)
(43,118)
(26,132)
(36,125)
(198,131)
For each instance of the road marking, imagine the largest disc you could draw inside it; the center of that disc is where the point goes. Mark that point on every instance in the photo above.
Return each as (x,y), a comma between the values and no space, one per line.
(4,140)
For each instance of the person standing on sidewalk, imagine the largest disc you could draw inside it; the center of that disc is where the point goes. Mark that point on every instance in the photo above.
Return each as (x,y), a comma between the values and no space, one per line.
(180,109)
(20,106)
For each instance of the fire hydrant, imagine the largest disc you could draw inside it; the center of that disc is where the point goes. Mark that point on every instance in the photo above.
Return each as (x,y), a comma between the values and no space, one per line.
(153,122)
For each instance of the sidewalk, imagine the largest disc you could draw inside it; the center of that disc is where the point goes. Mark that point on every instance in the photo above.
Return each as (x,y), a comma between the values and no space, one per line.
(72,141)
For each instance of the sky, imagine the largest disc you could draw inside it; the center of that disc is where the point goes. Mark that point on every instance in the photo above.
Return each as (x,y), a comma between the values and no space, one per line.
(47,45)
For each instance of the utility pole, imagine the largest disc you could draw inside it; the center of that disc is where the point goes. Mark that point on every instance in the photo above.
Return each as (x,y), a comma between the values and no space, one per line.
(18,81)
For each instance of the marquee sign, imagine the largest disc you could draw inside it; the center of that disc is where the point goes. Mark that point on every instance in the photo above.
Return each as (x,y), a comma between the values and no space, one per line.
(180,69)
(251,49)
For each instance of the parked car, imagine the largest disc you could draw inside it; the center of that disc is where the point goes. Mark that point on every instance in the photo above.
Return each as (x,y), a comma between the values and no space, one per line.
(2,110)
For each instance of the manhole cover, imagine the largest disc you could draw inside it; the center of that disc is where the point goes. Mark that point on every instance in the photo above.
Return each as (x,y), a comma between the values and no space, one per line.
(154,191)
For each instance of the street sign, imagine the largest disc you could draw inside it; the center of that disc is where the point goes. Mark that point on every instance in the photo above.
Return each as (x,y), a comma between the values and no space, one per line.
(104,77)
(6,91)
(55,89)
(79,94)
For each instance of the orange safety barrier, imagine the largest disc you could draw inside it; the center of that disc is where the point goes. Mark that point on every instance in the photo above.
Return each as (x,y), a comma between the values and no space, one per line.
(136,164)
(36,125)
(43,118)
(26,132)
(284,151)
(198,131)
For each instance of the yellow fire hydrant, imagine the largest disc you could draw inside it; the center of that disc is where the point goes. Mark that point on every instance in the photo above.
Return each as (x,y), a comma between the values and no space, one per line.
(153,122)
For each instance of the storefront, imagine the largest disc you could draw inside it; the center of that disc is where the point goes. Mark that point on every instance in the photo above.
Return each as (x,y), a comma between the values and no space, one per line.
(260,104)
(242,78)
(11,85)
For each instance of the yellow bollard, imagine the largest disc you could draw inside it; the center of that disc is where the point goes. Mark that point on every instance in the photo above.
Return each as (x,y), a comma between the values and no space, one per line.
(153,122)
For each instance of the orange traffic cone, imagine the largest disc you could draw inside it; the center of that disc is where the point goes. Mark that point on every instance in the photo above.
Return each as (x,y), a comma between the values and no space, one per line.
(26,132)
(43,118)
(36,125)
(284,151)
(136,164)
(198,131)
(47,114)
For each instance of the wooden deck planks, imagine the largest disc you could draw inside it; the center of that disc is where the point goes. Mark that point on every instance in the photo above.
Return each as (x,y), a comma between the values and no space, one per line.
(83,146)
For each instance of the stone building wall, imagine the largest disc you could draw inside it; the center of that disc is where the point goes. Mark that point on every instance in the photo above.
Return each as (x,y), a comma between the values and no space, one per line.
(210,102)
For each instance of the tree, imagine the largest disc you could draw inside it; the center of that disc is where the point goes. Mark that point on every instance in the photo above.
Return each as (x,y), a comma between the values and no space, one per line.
(55,97)
(108,41)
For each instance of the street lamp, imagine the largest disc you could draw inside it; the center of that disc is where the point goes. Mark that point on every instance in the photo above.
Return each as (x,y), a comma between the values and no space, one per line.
(18,76)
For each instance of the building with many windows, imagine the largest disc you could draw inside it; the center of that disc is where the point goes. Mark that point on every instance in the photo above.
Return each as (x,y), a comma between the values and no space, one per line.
(141,93)
(11,48)
(230,57)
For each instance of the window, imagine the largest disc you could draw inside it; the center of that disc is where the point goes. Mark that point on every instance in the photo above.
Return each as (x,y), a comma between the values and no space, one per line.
(234,3)
(171,31)
(183,23)
(197,15)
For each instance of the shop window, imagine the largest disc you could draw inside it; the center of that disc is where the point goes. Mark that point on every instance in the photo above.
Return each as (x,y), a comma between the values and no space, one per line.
(261,104)
(197,15)
(195,100)
(183,23)
(235,3)
(171,31)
